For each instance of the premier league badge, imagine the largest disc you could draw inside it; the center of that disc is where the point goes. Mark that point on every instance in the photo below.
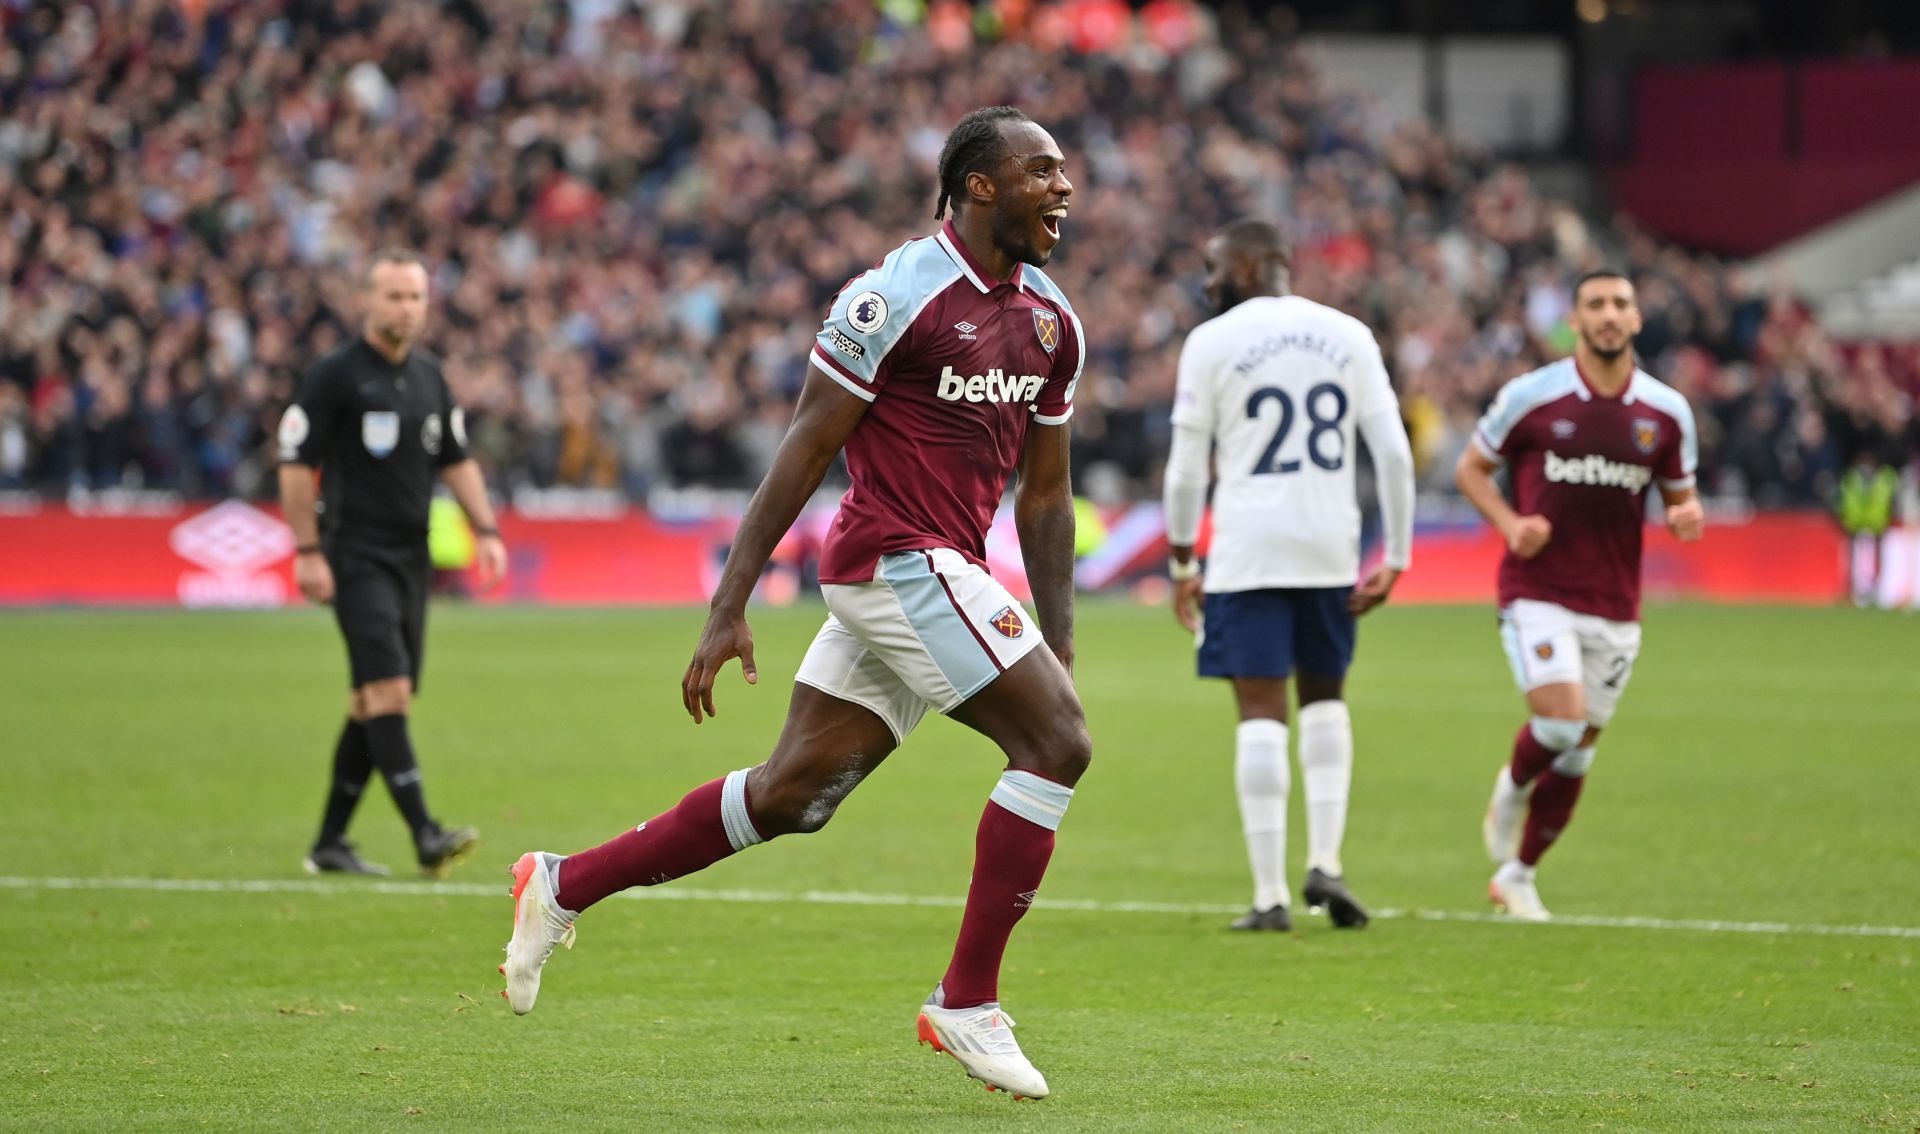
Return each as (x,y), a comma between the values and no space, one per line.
(1646,434)
(1047,325)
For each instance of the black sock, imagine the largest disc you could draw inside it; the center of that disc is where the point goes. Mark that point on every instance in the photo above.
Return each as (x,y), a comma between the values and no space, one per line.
(393,754)
(352,765)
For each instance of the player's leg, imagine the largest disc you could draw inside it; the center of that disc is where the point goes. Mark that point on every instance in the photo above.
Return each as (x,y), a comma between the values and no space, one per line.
(1262,780)
(847,713)
(352,768)
(1033,713)
(1247,637)
(1543,648)
(1324,631)
(965,646)
(1608,651)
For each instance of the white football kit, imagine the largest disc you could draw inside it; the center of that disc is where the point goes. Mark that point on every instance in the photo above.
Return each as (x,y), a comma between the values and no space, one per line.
(1279,384)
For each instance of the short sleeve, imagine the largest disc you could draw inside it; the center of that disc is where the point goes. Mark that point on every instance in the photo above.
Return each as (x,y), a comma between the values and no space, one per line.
(868,321)
(1193,386)
(1069,362)
(453,442)
(1681,455)
(1494,436)
(307,425)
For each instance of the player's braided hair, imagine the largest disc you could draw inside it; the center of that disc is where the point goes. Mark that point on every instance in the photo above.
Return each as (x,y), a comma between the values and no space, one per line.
(974,145)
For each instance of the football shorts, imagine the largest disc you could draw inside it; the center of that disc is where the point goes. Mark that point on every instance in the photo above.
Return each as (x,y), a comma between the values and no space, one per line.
(927,632)
(1270,633)
(380,602)
(1547,644)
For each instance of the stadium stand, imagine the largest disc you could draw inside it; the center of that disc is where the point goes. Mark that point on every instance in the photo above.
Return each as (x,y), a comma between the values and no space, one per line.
(638,217)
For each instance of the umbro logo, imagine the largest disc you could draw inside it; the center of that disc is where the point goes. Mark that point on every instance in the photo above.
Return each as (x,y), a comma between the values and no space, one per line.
(1022,901)
(966,330)
(1563,429)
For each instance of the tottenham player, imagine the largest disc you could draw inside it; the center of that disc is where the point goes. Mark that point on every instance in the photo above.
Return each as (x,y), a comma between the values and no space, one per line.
(1583,438)
(1275,385)
(940,372)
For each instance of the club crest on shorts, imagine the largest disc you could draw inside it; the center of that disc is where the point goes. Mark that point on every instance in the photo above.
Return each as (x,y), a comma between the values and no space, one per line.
(380,431)
(1009,622)
(1544,651)
(1646,434)
(1047,325)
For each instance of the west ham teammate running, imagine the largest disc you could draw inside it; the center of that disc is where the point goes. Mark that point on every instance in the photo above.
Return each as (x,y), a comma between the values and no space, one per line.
(1584,437)
(941,372)
(1275,385)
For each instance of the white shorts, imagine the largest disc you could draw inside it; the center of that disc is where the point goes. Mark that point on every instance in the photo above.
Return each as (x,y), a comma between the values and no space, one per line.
(928,632)
(1547,644)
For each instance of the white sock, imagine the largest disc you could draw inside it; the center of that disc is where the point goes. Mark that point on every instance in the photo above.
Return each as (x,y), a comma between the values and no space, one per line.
(1326,772)
(1262,779)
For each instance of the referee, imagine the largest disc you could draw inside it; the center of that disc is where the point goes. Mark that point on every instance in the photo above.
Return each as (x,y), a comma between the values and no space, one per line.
(376,418)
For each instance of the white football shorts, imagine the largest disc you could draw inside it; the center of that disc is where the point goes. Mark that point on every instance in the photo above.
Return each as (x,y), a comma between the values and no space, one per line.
(1547,644)
(929,631)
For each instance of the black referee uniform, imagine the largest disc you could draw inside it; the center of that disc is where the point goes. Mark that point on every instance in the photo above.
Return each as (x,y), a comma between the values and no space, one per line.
(380,432)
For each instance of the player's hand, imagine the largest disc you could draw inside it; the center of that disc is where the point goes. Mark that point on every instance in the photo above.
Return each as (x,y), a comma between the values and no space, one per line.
(490,558)
(726,636)
(1374,591)
(1687,520)
(1186,602)
(314,578)
(1529,535)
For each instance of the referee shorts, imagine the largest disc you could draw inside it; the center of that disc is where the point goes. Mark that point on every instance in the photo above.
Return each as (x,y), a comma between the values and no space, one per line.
(380,602)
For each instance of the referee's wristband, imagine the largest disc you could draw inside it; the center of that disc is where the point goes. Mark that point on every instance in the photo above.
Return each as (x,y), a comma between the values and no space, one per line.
(1180,572)
(494,532)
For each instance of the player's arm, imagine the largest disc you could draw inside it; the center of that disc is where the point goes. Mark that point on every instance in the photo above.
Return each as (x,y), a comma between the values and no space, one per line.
(1184,491)
(1473,476)
(1686,519)
(302,439)
(1043,517)
(469,487)
(1184,498)
(823,419)
(1386,438)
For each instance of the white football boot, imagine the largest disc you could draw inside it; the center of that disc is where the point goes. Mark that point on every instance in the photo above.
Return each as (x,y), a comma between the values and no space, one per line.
(538,925)
(982,1040)
(1511,889)
(1506,815)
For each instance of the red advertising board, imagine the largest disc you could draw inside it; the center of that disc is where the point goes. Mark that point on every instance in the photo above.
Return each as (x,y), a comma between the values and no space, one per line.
(234,554)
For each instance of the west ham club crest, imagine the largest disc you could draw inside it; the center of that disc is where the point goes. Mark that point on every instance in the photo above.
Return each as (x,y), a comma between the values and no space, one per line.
(1009,623)
(1646,434)
(1047,325)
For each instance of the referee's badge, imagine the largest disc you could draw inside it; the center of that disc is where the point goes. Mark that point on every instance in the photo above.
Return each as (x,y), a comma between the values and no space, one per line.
(380,431)
(430,435)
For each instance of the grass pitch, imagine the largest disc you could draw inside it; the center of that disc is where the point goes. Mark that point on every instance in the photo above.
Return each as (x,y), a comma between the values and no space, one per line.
(1761,770)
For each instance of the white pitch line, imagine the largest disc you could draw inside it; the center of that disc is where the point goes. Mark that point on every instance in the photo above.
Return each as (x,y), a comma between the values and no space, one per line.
(859,898)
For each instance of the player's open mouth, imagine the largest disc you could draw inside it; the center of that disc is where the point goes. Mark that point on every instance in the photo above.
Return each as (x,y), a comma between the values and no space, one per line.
(1051,220)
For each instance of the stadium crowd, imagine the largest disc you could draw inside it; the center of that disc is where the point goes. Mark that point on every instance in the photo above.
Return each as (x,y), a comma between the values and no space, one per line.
(637,214)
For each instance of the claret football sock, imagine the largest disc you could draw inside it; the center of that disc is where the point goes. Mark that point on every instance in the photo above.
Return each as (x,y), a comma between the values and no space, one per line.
(392,753)
(1538,742)
(1551,809)
(711,822)
(1011,848)
(352,766)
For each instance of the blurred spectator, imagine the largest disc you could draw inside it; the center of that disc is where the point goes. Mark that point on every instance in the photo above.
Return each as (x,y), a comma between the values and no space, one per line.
(638,212)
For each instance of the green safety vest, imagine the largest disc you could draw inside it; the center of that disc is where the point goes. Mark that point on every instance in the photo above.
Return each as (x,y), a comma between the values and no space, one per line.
(1866,501)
